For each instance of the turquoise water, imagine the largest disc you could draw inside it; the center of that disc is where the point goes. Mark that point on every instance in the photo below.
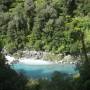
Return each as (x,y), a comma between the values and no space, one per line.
(43,71)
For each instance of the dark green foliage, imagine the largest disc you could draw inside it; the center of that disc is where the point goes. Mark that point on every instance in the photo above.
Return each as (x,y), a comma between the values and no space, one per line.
(83,82)
(71,6)
(47,25)
(29,7)
(5,5)
(42,24)
(58,82)
(83,7)
(9,79)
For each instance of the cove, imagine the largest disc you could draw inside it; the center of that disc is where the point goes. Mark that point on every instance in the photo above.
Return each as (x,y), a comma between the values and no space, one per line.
(43,71)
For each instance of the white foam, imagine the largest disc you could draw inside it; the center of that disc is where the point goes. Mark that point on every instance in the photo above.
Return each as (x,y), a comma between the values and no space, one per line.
(29,61)
(9,59)
(32,61)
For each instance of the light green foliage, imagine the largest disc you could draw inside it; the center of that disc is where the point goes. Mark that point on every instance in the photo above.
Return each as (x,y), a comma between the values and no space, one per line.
(48,25)
(43,25)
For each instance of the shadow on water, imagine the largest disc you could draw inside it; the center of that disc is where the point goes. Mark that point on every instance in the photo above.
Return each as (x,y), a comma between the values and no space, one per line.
(40,71)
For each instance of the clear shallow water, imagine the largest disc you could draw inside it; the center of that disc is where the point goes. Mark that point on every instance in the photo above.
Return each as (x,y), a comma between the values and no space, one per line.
(43,71)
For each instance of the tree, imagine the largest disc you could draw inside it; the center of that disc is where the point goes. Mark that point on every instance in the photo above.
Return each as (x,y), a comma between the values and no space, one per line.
(29,7)
(9,79)
(5,5)
(83,7)
(78,28)
(71,7)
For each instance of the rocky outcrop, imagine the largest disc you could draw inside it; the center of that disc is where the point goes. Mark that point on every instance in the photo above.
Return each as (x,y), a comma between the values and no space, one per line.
(46,56)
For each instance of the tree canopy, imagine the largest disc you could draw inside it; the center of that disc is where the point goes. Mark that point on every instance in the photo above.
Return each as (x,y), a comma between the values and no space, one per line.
(42,24)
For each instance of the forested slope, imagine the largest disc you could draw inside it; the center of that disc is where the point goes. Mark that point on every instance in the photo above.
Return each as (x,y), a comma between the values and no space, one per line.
(48,25)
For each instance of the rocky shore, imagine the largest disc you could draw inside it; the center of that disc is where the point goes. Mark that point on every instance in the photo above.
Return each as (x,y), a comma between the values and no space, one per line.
(39,57)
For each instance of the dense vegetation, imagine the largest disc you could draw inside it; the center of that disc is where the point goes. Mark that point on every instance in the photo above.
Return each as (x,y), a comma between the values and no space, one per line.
(9,79)
(48,25)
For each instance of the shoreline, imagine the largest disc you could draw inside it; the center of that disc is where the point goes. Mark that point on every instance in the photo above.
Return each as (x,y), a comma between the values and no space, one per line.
(33,61)
(28,61)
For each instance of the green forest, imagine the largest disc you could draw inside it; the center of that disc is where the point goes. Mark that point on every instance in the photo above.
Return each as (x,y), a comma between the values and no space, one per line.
(45,25)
